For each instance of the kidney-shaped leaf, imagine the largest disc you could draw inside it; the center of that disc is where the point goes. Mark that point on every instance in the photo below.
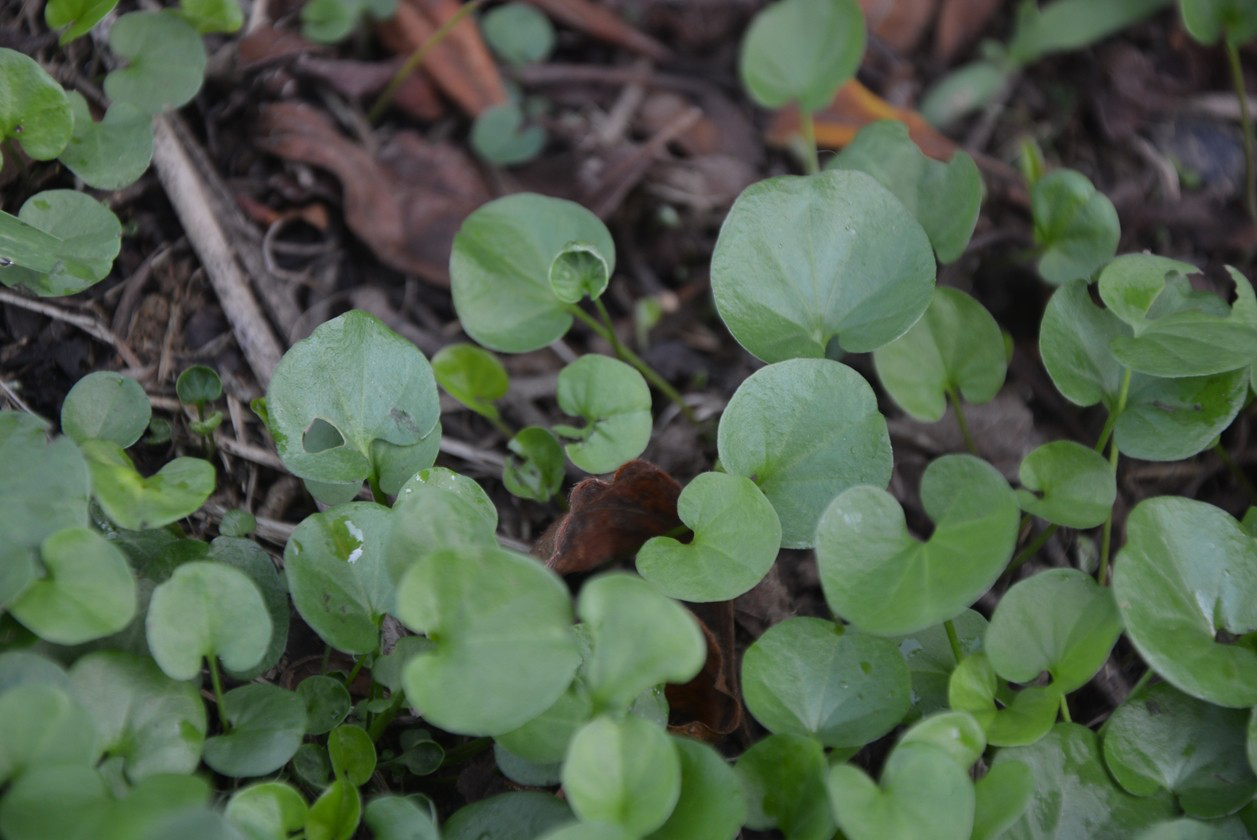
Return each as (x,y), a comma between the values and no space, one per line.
(113,153)
(736,539)
(1173,419)
(614,401)
(502,626)
(137,503)
(1186,572)
(1074,342)
(956,348)
(625,772)
(803,261)
(60,243)
(108,406)
(805,676)
(1067,483)
(267,724)
(1075,225)
(252,559)
(165,61)
(883,580)
(923,793)
(802,51)
(34,110)
(804,431)
(1021,719)
(500,268)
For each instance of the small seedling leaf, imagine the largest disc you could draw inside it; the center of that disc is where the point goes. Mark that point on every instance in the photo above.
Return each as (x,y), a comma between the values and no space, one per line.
(211,16)
(804,676)
(923,793)
(267,725)
(60,243)
(77,16)
(165,61)
(107,406)
(883,580)
(735,542)
(177,490)
(352,753)
(1022,719)
(471,375)
(712,804)
(802,51)
(110,154)
(625,772)
(335,814)
(614,401)
(1207,21)
(34,110)
(500,269)
(501,135)
(198,385)
(534,469)
(804,431)
(1068,484)
(267,809)
(44,486)
(784,780)
(518,33)
(579,271)
(805,261)
(1074,224)
(1186,572)
(250,558)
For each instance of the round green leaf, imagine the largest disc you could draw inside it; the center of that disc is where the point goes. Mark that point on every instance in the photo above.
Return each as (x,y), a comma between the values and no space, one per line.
(579,271)
(803,261)
(518,33)
(326,700)
(1073,795)
(267,724)
(500,269)
(352,752)
(735,542)
(398,818)
(1068,484)
(42,725)
(113,153)
(883,580)
(1001,798)
(784,780)
(712,804)
(1021,719)
(923,793)
(544,739)
(471,375)
(956,348)
(1173,419)
(206,609)
(504,649)
(518,815)
(535,468)
(931,660)
(34,110)
(1163,739)
(78,16)
(625,772)
(237,522)
(640,638)
(1059,621)
(804,431)
(198,385)
(336,569)
(352,383)
(436,510)
(1186,572)
(614,401)
(501,134)
(87,592)
(944,197)
(212,16)
(1074,224)
(267,809)
(956,733)
(107,406)
(60,243)
(1209,20)
(250,558)
(805,676)
(165,61)
(137,503)
(335,814)
(44,486)
(802,51)
(156,725)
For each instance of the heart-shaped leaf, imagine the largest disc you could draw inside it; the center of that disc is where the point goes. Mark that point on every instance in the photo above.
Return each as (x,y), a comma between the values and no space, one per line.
(78,16)
(44,486)
(248,557)
(883,580)
(1059,621)
(60,243)
(625,772)
(614,401)
(956,348)
(518,33)
(931,661)
(500,134)
(1068,484)
(502,626)
(923,793)
(544,739)
(177,490)
(471,375)
(165,61)
(784,780)
(34,110)
(42,725)
(802,51)
(805,261)
(267,724)
(804,431)
(1001,798)
(1074,224)
(335,814)
(735,542)
(267,809)
(500,269)
(438,509)
(1019,719)
(804,676)
(711,804)
(956,733)
(113,153)
(107,406)
(1186,572)
(1173,419)
(534,469)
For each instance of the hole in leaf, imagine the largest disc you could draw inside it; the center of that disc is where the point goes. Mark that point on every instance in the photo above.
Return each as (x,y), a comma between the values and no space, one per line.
(321,436)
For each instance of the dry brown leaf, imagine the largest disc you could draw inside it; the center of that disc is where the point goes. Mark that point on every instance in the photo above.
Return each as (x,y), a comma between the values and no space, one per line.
(604,24)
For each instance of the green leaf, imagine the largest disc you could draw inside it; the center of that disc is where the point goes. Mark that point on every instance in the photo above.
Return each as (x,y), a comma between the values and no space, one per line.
(330,21)
(804,431)
(923,793)
(1186,572)
(518,815)
(1074,224)
(1059,621)
(931,661)
(500,134)
(804,676)
(535,468)
(53,800)
(34,110)
(640,638)
(883,580)
(77,16)
(1074,342)
(956,733)
(335,814)
(198,385)
(735,541)
(352,753)
(802,51)
(504,649)
(206,609)
(1189,829)
(87,591)
(944,197)
(327,702)
(250,558)
(805,261)
(438,509)
(1161,738)
(237,522)
(1068,484)
(1173,419)
(589,831)
(1067,25)
(106,406)
(165,61)
(113,153)
(963,91)
(784,780)
(19,667)
(544,739)
(267,724)
(712,804)
(211,16)
(60,243)
(43,487)
(399,818)
(155,724)
(267,809)
(1021,719)
(336,569)
(500,269)
(518,33)
(625,772)
(1001,798)
(525,772)
(1073,795)
(351,383)
(956,348)
(471,375)
(177,490)
(1209,20)
(579,271)
(614,401)
(42,725)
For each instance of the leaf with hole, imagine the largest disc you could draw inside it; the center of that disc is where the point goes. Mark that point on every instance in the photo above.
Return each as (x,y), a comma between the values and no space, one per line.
(164,61)
(177,490)
(625,772)
(801,51)
(266,723)
(614,401)
(1068,484)
(1075,226)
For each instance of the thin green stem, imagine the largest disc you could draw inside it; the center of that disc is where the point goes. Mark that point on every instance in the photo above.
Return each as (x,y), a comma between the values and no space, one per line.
(498,423)
(465,751)
(217,681)
(1032,547)
(954,399)
(811,158)
(1246,126)
(1236,473)
(1065,710)
(1106,538)
(616,344)
(353,672)
(416,58)
(386,717)
(373,481)
(954,640)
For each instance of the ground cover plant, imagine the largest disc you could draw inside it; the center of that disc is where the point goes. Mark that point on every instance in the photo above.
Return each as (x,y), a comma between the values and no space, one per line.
(816,629)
